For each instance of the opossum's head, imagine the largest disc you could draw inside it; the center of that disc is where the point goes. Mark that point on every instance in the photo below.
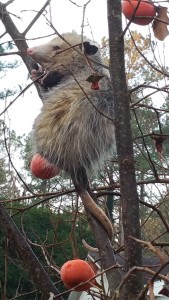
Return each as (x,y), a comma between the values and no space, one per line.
(64,53)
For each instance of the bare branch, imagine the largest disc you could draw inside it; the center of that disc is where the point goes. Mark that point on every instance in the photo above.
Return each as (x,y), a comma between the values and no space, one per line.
(36,17)
(26,254)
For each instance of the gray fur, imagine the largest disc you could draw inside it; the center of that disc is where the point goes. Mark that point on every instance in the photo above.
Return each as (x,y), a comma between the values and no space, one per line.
(72,129)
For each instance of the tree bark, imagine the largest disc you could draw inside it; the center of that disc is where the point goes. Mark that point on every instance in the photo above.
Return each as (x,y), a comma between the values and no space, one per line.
(124,143)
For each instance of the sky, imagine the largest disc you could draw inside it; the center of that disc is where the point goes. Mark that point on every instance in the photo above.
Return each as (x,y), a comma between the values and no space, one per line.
(66,17)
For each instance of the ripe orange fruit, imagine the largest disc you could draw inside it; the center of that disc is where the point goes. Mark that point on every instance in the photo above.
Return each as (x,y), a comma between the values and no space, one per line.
(42,169)
(76,271)
(146,10)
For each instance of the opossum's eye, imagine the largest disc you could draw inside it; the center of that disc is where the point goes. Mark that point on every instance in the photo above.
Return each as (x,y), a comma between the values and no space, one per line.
(90,49)
(56,48)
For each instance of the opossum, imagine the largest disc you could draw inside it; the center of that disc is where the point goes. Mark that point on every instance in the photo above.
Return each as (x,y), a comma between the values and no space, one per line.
(75,128)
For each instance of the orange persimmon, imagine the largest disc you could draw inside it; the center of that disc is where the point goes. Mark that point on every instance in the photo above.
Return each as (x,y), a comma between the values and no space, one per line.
(144,14)
(77,271)
(42,169)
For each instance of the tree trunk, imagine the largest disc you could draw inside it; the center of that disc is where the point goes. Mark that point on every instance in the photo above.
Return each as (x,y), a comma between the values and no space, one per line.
(130,200)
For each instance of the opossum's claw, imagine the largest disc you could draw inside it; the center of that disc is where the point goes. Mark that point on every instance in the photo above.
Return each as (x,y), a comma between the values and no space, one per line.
(35,74)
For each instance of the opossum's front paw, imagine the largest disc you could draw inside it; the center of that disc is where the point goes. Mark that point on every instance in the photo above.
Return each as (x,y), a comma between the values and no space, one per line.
(39,76)
(46,80)
(36,74)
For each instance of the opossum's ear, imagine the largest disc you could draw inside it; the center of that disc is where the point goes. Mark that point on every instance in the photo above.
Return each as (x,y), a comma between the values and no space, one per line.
(90,49)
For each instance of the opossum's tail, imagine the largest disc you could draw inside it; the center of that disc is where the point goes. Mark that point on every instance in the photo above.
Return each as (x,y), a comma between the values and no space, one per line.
(82,187)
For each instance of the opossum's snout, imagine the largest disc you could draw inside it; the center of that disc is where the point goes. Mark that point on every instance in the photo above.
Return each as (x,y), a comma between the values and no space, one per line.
(34,53)
(31,51)
(38,55)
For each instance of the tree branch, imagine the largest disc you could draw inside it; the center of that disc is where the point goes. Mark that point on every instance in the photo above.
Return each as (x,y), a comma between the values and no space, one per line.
(18,38)
(36,17)
(39,275)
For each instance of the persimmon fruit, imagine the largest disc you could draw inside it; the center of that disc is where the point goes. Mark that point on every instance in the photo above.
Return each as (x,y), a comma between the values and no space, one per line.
(144,14)
(77,271)
(42,169)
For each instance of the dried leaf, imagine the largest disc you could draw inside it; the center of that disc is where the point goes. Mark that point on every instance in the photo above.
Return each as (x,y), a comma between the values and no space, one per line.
(160,27)
(94,78)
(164,291)
(158,141)
(93,266)
(98,285)
(95,86)
(159,147)
(96,270)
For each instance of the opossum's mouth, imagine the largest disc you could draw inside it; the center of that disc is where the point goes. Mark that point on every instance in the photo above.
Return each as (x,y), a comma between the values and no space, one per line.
(52,79)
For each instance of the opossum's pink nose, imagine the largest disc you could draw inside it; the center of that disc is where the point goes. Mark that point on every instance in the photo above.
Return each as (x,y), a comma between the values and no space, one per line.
(30,51)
